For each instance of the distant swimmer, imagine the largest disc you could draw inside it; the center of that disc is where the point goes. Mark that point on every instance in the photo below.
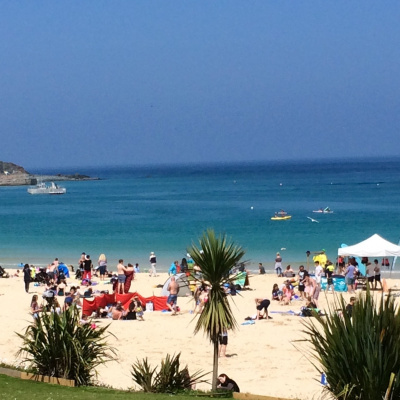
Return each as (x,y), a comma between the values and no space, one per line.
(313,220)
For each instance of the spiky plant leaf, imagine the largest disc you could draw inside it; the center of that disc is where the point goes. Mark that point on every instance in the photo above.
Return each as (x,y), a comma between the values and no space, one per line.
(59,346)
(216,256)
(358,354)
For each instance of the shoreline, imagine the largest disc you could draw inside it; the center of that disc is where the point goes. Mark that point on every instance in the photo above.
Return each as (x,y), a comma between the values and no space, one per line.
(251,267)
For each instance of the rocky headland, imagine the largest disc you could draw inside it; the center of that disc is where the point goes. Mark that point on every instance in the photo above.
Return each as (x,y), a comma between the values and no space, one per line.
(15,175)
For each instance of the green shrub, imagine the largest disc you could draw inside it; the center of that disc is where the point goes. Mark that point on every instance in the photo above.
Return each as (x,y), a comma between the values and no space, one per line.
(358,354)
(58,345)
(170,378)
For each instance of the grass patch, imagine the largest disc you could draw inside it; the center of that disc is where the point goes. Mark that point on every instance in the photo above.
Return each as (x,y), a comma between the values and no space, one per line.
(17,389)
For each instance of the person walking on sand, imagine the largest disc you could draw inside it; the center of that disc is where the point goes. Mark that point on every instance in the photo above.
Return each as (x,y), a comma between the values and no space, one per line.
(153,262)
(27,277)
(173,289)
(377,270)
(121,276)
(318,273)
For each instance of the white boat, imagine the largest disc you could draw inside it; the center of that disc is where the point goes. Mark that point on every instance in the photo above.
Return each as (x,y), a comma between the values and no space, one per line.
(42,188)
(326,210)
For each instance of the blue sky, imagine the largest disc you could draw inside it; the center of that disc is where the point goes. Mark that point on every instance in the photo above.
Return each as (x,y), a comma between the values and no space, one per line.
(99,83)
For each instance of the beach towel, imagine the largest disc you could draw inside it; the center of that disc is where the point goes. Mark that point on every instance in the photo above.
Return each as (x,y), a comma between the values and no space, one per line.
(290,312)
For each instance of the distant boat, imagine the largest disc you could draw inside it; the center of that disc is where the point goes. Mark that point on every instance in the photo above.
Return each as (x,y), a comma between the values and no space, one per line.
(281,216)
(42,188)
(326,210)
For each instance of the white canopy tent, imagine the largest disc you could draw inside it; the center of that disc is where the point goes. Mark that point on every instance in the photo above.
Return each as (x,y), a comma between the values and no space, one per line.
(375,246)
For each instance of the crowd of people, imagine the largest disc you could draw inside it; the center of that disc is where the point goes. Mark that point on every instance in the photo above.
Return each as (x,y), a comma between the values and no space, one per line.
(299,285)
(308,286)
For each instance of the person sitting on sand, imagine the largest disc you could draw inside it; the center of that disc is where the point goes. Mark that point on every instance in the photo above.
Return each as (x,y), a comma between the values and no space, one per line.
(311,303)
(261,269)
(139,310)
(73,297)
(224,382)
(349,307)
(309,309)
(118,312)
(288,293)
(61,288)
(277,294)
(131,314)
(289,273)
(262,304)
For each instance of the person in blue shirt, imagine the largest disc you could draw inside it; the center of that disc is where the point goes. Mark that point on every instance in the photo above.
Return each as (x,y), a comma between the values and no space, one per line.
(350,276)
(173,268)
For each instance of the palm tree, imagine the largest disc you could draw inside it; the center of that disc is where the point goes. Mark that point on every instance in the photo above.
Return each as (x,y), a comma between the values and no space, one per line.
(216,256)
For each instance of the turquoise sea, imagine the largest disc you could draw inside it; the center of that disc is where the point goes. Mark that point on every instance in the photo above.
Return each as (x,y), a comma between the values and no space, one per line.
(132,211)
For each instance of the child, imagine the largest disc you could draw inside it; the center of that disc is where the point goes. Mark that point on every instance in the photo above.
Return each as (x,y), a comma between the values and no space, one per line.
(139,311)
(276,293)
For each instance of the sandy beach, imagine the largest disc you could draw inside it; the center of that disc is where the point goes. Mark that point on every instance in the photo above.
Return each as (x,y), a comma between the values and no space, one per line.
(262,358)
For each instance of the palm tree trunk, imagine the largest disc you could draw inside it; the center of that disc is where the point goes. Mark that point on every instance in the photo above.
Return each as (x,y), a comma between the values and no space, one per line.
(215,366)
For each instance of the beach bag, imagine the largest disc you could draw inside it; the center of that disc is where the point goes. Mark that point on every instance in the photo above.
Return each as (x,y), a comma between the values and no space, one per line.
(306,312)
(149,306)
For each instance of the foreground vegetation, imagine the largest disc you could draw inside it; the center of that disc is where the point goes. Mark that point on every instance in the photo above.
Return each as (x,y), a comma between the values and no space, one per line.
(171,378)
(360,355)
(17,389)
(58,345)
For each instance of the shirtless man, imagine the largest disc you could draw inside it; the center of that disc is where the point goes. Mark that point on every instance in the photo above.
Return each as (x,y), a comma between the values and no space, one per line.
(173,289)
(121,276)
(52,269)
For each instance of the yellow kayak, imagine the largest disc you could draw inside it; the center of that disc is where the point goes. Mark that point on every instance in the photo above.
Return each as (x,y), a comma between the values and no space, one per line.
(276,218)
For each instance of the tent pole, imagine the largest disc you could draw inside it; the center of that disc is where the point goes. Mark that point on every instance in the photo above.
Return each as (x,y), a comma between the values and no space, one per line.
(393,262)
